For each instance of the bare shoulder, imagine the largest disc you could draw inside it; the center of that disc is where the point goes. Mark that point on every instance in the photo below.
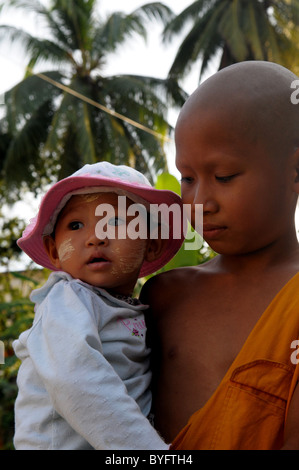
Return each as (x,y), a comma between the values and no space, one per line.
(166,283)
(166,289)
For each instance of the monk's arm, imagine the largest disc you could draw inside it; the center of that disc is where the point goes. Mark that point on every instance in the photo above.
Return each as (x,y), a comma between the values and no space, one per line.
(291,441)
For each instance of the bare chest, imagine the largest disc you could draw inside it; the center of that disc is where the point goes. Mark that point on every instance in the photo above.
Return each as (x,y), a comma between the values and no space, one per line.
(223,319)
(200,330)
(202,333)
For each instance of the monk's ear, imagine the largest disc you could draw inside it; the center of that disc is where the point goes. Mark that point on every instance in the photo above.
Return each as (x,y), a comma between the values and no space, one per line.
(50,247)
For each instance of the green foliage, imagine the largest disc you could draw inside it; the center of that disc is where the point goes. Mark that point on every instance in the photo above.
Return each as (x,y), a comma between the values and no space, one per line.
(16,315)
(10,231)
(237,29)
(52,125)
(11,228)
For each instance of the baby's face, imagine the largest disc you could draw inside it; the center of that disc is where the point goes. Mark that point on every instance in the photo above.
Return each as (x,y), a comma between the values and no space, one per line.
(98,257)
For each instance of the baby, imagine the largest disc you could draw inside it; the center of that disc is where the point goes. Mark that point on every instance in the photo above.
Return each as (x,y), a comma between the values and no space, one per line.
(84,378)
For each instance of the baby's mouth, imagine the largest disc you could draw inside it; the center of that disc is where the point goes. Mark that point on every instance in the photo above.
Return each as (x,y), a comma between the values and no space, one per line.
(97,260)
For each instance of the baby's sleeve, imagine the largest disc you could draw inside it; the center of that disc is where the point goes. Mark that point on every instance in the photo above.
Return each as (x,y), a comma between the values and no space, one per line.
(84,388)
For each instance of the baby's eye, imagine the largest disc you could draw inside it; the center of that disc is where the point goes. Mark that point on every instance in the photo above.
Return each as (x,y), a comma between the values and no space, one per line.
(116,221)
(76,225)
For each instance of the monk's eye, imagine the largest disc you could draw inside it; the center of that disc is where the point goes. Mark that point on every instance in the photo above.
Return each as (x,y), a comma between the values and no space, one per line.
(225,179)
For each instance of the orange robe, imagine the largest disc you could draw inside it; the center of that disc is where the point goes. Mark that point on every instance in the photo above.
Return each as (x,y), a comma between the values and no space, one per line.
(249,408)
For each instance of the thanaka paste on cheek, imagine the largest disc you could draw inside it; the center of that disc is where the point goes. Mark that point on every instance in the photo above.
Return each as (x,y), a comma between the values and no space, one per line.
(65,250)
(128,264)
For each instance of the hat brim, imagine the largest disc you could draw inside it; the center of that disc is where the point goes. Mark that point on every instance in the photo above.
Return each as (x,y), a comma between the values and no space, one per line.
(31,241)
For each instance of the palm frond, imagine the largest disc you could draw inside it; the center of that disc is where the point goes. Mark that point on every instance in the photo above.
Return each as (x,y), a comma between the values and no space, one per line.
(287,12)
(252,32)
(73,131)
(201,36)
(136,99)
(155,11)
(189,15)
(230,30)
(272,44)
(70,158)
(60,124)
(23,153)
(30,6)
(119,27)
(167,90)
(243,30)
(74,18)
(27,97)
(211,50)
(37,49)
(145,161)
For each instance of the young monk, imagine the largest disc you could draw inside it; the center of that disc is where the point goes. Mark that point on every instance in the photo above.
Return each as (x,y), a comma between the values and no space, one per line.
(227,364)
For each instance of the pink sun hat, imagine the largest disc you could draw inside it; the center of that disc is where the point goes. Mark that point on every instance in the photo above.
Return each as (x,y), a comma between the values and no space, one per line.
(99,177)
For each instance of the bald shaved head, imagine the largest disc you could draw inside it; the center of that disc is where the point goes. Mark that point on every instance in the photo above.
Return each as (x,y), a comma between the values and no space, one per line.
(255,98)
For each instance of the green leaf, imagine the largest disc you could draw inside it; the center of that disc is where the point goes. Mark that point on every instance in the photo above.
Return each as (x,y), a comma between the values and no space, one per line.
(168,181)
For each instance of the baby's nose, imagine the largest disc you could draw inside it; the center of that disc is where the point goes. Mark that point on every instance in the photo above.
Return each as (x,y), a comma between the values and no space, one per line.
(95,239)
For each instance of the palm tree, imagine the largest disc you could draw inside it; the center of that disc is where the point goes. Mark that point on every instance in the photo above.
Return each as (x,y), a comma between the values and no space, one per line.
(238,29)
(46,131)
